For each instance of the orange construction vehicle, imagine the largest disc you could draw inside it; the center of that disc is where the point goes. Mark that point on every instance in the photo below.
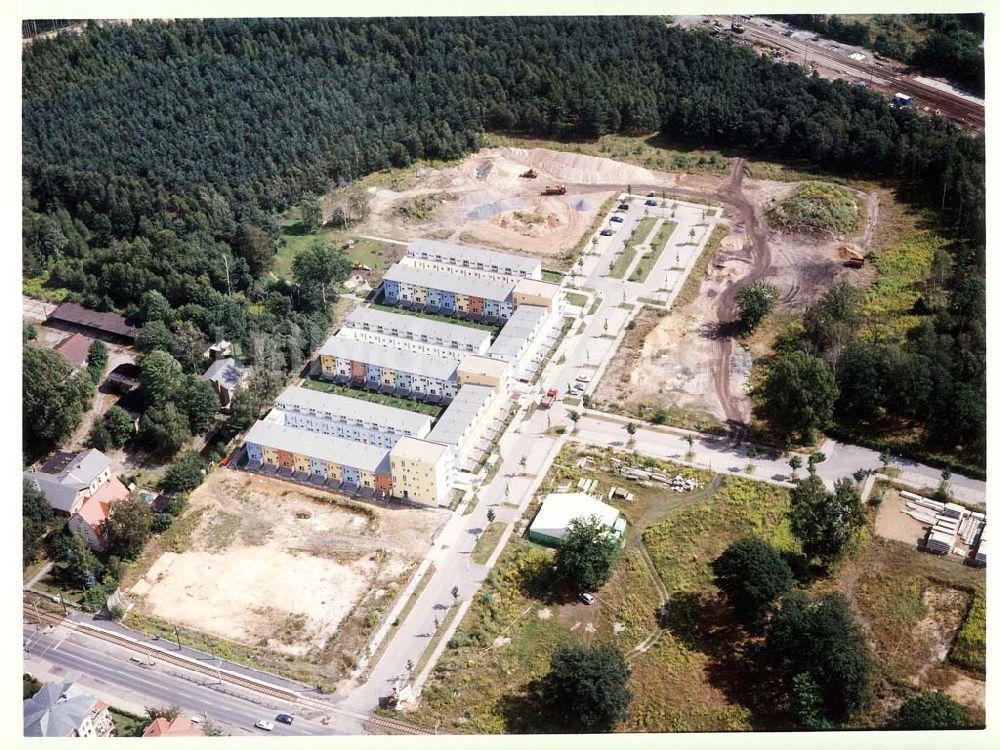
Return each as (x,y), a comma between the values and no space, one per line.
(530,174)
(554,190)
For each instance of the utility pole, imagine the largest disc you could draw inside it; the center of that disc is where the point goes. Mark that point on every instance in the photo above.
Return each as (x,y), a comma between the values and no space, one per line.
(229,288)
(178,637)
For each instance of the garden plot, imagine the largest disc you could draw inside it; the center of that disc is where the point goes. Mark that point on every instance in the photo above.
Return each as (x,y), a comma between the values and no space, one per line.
(275,566)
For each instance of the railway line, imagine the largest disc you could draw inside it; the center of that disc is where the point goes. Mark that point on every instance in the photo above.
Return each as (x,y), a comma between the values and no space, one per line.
(884,77)
(384,724)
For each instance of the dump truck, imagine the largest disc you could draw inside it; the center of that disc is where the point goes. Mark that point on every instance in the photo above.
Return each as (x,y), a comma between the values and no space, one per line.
(549,398)
(530,174)
(554,190)
(852,258)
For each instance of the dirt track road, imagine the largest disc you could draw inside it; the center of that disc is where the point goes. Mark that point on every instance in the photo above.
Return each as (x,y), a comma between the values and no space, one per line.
(731,194)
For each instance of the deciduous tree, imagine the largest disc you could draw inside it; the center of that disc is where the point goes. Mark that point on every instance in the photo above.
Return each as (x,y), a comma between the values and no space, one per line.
(586,687)
(587,553)
(752,575)
(824,522)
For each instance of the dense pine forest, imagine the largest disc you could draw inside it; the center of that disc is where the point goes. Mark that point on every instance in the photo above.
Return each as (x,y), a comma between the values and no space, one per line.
(156,153)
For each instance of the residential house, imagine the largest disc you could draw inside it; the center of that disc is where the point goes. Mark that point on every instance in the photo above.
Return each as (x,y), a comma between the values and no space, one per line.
(179,726)
(226,376)
(75,349)
(67,479)
(90,519)
(64,709)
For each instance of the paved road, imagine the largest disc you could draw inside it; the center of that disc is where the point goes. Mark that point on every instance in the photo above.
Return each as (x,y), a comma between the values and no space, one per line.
(110,672)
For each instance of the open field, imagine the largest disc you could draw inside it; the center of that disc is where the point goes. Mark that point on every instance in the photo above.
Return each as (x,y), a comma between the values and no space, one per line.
(287,578)
(378,256)
(699,673)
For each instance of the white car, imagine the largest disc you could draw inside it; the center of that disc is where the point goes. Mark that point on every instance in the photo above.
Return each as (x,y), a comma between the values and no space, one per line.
(583,378)
(264,724)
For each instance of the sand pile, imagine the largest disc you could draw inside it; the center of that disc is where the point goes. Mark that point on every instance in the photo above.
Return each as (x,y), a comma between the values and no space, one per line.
(580,168)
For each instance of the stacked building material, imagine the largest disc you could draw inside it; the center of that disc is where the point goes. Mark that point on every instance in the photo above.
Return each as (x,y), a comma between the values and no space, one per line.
(981,551)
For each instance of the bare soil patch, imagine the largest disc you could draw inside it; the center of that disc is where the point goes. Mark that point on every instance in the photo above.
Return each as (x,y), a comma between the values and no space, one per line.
(275,566)
(892,521)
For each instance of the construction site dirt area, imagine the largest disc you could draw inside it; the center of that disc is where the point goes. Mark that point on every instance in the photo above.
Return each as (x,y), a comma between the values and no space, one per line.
(688,359)
(893,522)
(274,565)
(486,201)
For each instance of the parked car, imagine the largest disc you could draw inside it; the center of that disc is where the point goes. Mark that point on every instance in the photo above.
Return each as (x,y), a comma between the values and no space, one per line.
(194,719)
(650,202)
(285,718)
(651,194)
(617,219)
(264,724)
(607,232)
(586,598)
(583,377)
(623,206)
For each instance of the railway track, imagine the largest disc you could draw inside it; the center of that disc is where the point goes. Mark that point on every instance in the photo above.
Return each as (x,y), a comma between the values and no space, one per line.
(394,726)
(32,613)
(882,77)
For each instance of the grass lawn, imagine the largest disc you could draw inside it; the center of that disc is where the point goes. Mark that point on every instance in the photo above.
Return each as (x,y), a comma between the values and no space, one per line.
(127,724)
(643,229)
(575,299)
(376,255)
(692,285)
(554,277)
(659,244)
(488,542)
(622,262)
(432,410)
(485,680)
(440,318)
(34,287)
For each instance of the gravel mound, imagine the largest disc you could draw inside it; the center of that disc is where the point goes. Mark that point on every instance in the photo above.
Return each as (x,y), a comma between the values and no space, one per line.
(496,207)
(583,205)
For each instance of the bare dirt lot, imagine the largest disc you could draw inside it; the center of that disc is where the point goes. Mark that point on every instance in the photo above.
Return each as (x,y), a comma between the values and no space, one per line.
(484,200)
(275,566)
(892,521)
(676,362)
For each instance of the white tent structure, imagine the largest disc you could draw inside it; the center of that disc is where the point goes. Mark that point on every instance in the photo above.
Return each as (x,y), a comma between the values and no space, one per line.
(560,509)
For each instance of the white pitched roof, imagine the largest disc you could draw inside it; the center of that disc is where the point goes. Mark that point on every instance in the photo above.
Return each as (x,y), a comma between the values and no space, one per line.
(561,508)
(416,326)
(441,368)
(471,286)
(450,252)
(319,446)
(298,398)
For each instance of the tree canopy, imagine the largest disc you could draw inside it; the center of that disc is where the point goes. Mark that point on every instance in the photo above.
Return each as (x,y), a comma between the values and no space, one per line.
(930,710)
(752,575)
(128,527)
(819,637)
(824,522)
(586,687)
(587,553)
(754,301)
(54,398)
(800,392)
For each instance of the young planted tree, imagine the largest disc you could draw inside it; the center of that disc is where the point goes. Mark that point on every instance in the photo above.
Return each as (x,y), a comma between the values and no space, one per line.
(752,575)
(755,301)
(815,459)
(586,687)
(824,522)
(587,553)
(795,462)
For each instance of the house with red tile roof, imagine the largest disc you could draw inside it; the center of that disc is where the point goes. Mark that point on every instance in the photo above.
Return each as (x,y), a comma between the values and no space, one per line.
(90,519)
(181,726)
